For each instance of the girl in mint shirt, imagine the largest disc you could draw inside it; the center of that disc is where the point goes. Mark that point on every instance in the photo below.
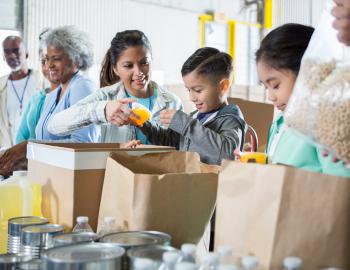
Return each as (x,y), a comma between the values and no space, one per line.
(278,61)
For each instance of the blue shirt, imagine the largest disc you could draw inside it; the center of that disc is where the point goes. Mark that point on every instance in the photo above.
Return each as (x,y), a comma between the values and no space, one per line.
(78,88)
(148,103)
(30,117)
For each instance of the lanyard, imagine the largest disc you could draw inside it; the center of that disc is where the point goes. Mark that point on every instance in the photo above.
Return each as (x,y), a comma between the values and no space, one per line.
(20,99)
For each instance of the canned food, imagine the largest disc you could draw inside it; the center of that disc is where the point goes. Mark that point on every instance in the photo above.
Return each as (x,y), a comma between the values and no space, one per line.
(155,253)
(331,268)
(34,264)
(97,256)
(74,238)
(135,239)
(166,238)
(37,238)
(11,261)
(15,226)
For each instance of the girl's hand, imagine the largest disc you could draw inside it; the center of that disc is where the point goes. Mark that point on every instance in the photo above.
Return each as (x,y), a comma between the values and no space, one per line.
(237,153)
(166,116)
(131,144)
(117,111)
(326,153)
(341,12)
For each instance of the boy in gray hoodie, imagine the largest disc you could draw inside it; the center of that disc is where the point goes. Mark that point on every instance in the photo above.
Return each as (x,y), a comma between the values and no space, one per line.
(216,128)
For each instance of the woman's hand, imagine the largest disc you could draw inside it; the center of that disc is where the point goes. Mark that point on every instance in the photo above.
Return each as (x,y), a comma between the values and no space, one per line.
(117,111)
(166,116)
(341,12)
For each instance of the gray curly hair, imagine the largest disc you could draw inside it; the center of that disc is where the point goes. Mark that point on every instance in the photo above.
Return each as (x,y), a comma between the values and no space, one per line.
(74,42)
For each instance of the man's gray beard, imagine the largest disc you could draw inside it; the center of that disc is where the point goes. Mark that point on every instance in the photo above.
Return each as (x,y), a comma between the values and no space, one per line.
(16,69)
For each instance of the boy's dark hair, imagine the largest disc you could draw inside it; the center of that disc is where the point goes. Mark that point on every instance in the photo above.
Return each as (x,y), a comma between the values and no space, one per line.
(284,47)
(121,41)
(209,61)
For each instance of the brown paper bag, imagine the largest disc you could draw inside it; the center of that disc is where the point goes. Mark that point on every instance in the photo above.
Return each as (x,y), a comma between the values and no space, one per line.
(274,211)
(168,192)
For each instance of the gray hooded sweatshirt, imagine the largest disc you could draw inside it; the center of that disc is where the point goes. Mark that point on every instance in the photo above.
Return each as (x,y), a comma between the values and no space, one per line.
(213,140)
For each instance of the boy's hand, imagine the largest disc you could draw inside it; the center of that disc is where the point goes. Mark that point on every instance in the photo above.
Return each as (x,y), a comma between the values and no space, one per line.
(237,153)
(117,111)
(166,116)
(131,144)
(341,12)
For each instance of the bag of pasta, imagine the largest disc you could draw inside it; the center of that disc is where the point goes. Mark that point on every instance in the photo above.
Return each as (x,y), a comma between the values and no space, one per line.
(320,104)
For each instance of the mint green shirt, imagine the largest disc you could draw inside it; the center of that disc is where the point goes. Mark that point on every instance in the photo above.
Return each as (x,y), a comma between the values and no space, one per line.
(296,150)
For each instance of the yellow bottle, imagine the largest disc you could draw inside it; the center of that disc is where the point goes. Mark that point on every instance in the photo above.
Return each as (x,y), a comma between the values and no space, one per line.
(253,157)
(18,197)
(142,113)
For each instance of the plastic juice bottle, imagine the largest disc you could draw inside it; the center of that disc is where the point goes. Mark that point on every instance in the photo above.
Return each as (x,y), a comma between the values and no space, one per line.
(253,157)
(143,114)
(250,263)
(82,225)
(188,253)
(108,226)
(169,260)
(292,263)
(18,197)
(210,262)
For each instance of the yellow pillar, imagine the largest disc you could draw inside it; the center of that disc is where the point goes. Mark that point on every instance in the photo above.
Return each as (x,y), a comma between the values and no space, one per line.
(268,13)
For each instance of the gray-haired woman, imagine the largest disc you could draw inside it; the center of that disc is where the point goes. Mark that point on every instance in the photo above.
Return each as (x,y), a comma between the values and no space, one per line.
(68,50)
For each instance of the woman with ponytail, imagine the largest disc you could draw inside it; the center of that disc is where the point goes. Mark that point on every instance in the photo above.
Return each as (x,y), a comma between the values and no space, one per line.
(125,78)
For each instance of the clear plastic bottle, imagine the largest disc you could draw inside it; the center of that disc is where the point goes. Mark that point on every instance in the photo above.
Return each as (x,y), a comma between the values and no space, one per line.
(292,263)
(226,255)
(108,226)
(169,260)
(210,262)
(144,264)
(228,267)
(188,253)
(186,266)
(82,225)
(250,263)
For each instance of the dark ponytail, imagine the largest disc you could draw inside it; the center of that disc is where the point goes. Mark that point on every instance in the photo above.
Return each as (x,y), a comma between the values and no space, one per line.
(107,74)
(284,47)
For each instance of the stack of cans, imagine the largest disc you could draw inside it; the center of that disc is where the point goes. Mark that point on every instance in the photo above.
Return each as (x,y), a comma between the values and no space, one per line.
(74,238)
(83,257)
(35,239)
(15,226)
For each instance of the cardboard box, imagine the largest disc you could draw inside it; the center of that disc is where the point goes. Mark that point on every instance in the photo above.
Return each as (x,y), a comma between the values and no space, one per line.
(258,115)
(72,176)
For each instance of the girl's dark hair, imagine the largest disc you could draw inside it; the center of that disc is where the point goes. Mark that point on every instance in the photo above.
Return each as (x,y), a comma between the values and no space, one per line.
(209,61)
(121,41)
(284,47)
